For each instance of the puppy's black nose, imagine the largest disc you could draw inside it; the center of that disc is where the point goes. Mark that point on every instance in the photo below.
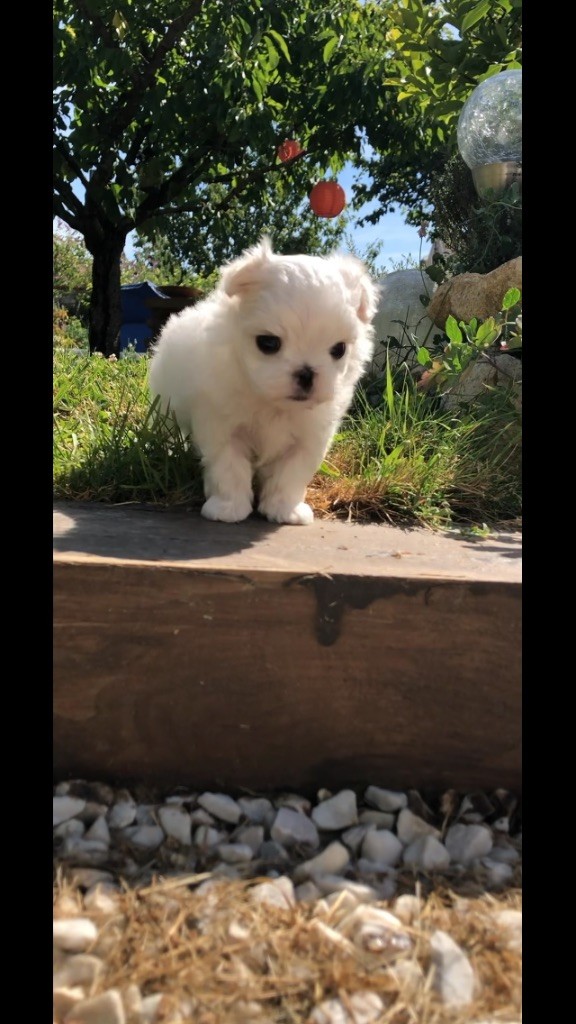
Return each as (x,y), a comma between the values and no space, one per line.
(305,378)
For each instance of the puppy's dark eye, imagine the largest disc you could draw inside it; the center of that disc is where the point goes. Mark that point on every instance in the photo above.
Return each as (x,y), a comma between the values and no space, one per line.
(338,350)
(268,343)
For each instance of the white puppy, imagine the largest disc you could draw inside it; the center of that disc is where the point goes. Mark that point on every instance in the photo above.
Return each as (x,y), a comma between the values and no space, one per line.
(261,372)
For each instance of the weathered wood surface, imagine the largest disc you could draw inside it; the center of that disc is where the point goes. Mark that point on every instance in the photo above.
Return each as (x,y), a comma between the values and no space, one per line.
(180,659)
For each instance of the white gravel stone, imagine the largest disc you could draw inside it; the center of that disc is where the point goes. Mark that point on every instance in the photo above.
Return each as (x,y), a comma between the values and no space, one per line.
(382,846)
(385,799)
(338,812)
(409,976)
(408,908)
(509,923)
(235,853)
(335,884)
(380,819)
(82,969)
(65,807)
(410,827)
(150,1006)
(292,828)
(498,873)
(256,809)
(332,861)
(145,814)
(454,977)
(65,999)
(103,1009)
(276,893)
(99,830)
(426,853)
(92,811)
(74,934)
(123,812)
(205,836)
(176,823)
(376,930)
(147,836)
(467,843)
(102,899)
(504,854)
(221,806)
(307,892)
(364,1007)
(72,827)
(252,836)
(83,878)
(201,817)
(295,802)
(353,837)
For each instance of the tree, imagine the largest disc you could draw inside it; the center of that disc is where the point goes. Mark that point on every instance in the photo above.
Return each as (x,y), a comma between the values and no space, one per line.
(164,108)
(158,101)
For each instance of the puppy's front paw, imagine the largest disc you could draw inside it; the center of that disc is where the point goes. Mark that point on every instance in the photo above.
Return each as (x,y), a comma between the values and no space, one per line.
(226,511)
(298,515)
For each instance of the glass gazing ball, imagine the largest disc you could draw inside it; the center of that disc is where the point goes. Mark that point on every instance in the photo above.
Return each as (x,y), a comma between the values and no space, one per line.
(490,124)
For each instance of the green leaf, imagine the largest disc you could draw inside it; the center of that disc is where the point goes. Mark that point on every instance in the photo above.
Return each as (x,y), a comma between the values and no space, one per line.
(281,43)
(423,356)
(453,331)
(511,298)
(329,48)
(475,15)
(485,330)
(273,55)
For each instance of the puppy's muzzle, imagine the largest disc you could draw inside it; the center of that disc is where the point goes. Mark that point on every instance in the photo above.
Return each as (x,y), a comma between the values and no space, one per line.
(304,378)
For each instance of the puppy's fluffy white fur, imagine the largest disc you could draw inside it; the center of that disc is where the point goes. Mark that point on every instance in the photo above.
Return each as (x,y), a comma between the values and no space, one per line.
(266,417)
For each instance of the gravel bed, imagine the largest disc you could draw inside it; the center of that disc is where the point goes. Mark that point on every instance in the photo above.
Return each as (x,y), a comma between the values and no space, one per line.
(371,905)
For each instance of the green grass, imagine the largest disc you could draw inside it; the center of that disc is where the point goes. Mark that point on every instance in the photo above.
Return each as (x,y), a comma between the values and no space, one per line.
(396,458)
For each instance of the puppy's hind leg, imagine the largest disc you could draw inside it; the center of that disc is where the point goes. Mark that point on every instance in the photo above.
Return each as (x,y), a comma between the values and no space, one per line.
(227,485)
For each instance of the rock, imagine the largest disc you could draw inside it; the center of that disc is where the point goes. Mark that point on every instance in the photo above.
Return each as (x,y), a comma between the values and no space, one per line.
(295,802)
(205,837)
(362,1007)
(475,295)
(145,814)
(408,908)
(294,828)
(252,836)
(103,1009)
(277,893)
(376,930)
(74,934)
(123,812)
(84,851)
(409,975)
(385,799)
(382,846)
(235,853)
(176,823)
(221,806)
(102,900)
(92,812)
(272,852)
(504,854)
(71,827)
(256,809)
(83,878)
(132,1000)
(65,807)
(353,837)
(150,1006)
(498,873)
(400,300)
(147,836)
(381,819)
(201,817)
(99,830)
(509,925)
(467,843)
(454,977)
(486,371)
(82,969)
(332,861)
(334,884)
(426,853)
(64,1000)
(307,892)
(338,812)
(410,827)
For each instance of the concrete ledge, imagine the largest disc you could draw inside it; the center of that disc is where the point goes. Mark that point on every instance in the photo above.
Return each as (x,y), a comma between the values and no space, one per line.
(255,657)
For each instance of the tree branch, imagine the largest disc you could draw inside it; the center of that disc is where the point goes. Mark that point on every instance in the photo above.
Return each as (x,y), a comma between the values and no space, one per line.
(62,148)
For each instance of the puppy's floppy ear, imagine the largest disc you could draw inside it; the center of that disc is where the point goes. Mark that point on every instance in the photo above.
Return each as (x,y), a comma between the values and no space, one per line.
(248,270)
(363,290)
